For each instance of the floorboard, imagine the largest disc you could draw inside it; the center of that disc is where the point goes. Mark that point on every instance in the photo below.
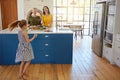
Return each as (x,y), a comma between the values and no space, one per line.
(86,66)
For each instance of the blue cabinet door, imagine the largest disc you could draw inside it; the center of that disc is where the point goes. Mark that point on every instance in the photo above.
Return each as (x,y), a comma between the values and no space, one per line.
(0,49)
(36,48)
(9,48)
(63,48)
(42,49)
(47,48)
(59,48)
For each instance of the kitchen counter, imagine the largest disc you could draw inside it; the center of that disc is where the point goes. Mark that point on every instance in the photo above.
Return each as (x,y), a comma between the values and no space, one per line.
(49,47)
(15,31)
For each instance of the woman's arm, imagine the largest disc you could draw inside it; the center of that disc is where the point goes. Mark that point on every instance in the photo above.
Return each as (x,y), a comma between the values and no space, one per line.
(25,34)
(41,20)
(51,20)
(38,14)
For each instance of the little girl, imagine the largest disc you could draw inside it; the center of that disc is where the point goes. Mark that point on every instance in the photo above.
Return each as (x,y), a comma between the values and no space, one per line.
(24,53)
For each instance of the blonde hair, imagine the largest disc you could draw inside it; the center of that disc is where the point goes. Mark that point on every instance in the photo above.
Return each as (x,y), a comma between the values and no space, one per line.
(15,24)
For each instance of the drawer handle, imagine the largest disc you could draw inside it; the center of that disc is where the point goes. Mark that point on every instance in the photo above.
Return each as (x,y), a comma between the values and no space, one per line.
(46,36)
(46,44)
(117,58)
(46,55)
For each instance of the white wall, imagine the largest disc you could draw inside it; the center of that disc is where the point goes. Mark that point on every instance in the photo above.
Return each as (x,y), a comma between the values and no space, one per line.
(20,5)
(25,5)
(117,17)
(29,4)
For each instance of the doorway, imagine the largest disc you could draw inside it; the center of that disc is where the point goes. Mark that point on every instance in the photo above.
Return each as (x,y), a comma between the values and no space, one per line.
(8,12)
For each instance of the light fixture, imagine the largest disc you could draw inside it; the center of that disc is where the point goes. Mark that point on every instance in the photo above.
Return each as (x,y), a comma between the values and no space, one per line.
(73,2)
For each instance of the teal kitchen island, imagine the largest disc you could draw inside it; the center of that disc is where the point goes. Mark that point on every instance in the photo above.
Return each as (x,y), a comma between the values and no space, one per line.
(49,47)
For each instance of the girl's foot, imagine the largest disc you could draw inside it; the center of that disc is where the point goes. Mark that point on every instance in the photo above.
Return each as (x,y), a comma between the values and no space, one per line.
(26,74)
(21,77)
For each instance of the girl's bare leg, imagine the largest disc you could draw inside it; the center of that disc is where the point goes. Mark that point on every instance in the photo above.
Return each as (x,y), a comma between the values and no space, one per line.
(26,67)
(21,69)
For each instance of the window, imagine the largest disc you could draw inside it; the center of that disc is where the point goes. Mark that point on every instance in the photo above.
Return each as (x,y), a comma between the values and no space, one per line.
(74,11)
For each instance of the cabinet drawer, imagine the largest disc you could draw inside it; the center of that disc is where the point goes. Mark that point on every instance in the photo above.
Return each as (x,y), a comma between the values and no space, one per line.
(42,37)
(43,46)
(47,58)
(46,36)
(118,38)
(117,60)
(43,57)
(107,53)
(117,47)
(117,53)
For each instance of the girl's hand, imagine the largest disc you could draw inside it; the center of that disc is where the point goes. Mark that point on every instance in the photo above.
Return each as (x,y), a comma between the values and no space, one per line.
(35,35)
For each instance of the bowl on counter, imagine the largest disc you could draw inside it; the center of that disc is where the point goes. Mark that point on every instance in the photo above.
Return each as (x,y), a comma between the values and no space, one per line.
(40,28)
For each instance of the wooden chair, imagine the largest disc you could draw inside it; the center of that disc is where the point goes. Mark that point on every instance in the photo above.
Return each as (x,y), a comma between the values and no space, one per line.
(78,30)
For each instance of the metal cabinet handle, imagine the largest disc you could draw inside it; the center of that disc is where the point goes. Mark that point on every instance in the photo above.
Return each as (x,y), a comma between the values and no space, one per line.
(46,55)
(118,46)
(117,58)
(46,44)
(118,38)
(106,51)
(46,36)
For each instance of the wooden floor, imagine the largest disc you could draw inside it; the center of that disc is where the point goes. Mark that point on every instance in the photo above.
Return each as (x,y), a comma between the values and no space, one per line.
(86,66)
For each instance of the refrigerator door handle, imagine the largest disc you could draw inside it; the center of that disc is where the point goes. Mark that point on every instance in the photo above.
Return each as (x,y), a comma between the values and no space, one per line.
(95,30)
(95,23)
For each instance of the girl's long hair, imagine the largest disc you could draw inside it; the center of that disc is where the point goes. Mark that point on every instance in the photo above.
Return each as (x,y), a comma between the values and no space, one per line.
(16,24)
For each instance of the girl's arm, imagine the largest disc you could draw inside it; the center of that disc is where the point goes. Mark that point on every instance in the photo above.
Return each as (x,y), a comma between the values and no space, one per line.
(25,34)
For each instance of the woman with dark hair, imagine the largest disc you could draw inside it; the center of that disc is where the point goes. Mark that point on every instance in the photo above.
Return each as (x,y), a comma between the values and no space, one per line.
(47,17)
(24,52)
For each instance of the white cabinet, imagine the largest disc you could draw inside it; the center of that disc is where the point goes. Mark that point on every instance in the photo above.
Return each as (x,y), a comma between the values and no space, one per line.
(107,50)
(109,32)
(117,53)
(117,50)
(112,28)
(117,34)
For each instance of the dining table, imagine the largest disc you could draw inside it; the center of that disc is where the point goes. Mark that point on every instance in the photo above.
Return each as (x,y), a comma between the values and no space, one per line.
(77,28)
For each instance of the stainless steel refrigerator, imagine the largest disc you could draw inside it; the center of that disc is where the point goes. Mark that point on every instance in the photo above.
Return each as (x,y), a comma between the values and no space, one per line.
(98,27)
